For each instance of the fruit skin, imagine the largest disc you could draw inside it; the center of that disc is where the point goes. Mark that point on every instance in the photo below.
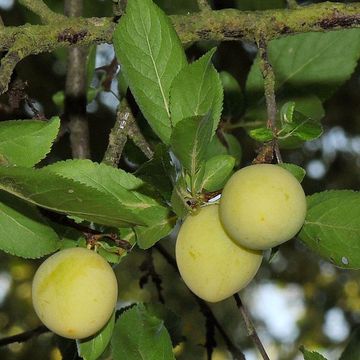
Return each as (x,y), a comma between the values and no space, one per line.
(74,292)
(262,206)
(210,263)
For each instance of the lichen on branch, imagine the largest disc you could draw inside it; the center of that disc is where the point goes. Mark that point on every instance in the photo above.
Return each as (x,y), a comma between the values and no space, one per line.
(222,25)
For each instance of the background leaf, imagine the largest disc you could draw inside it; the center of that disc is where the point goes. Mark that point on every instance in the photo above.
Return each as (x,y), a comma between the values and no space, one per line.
(332,227)
(23,231)
(92,348)
(197,91)
(140,335)
(233,96)
(26,142)
(308,69)
(228,144)
(352,350)
(151,55)
(311,355)
(318,63)
(90,64)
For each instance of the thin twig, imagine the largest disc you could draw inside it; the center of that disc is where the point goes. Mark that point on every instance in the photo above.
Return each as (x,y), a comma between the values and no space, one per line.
(236,353)
(8,63)
(269,89)
(149,270)
(250,327)
(204,5)
(75,92)
(125,126)
(119,7)
(24,336)
(42,10)
(118,135)
(139,140)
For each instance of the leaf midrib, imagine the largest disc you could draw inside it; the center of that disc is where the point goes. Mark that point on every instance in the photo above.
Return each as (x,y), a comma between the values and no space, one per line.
(347,228)
(166,105)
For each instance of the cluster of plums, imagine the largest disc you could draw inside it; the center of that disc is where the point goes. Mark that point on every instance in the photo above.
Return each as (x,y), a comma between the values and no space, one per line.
(219,249)
(218,252)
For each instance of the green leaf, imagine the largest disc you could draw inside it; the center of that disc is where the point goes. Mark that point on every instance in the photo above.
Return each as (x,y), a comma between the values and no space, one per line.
(215,147)
(159,171)
(332,227)
(110,252)
(26,142)
(116,183)
(233,96)
(179,197)
(147,236)
(262,134)
(172,321)
(190,139)
(287,112)
(51,191)
(352,350)
(316,63)
(196,183)
(217,171)
(311,355)
(92,348)
(297,171)
(197,91)
(301,129)
(151,55)
(140,335)
(23,232)
(92,174)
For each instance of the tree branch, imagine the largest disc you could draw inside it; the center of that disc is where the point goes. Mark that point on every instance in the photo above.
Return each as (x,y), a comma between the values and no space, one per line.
(250,327)
(24,336)
(42,10)
(269,89)
(75,92)
(205,308)
(222,25)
